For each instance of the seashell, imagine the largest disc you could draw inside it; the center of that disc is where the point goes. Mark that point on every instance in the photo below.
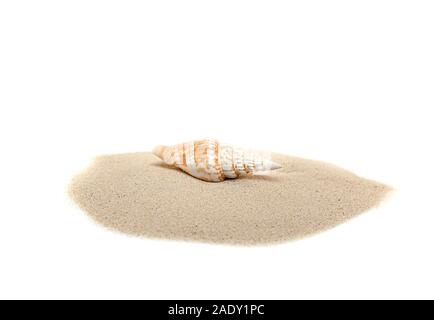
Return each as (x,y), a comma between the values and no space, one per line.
(211,161)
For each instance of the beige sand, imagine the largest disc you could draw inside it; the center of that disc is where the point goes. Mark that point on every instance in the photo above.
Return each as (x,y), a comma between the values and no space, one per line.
(137,194)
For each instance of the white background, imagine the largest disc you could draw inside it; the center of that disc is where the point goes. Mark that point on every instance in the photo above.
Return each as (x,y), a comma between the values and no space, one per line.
(348,82)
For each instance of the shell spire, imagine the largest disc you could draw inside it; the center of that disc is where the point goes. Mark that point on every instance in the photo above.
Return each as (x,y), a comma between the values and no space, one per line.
(211,161)
(161,152)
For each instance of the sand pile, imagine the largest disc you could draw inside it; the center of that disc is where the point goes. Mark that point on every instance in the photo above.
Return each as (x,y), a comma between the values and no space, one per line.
(138,194)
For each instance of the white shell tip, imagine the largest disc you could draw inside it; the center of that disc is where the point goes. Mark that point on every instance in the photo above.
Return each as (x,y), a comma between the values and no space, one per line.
(274,165)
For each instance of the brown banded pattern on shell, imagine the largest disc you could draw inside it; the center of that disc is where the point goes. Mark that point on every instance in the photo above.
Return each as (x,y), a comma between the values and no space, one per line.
(211,161)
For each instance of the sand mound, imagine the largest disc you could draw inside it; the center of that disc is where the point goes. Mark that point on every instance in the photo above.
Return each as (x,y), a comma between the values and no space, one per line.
(137,194)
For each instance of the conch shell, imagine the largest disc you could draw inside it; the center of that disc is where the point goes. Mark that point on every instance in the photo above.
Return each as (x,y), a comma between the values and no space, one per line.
(211,161)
